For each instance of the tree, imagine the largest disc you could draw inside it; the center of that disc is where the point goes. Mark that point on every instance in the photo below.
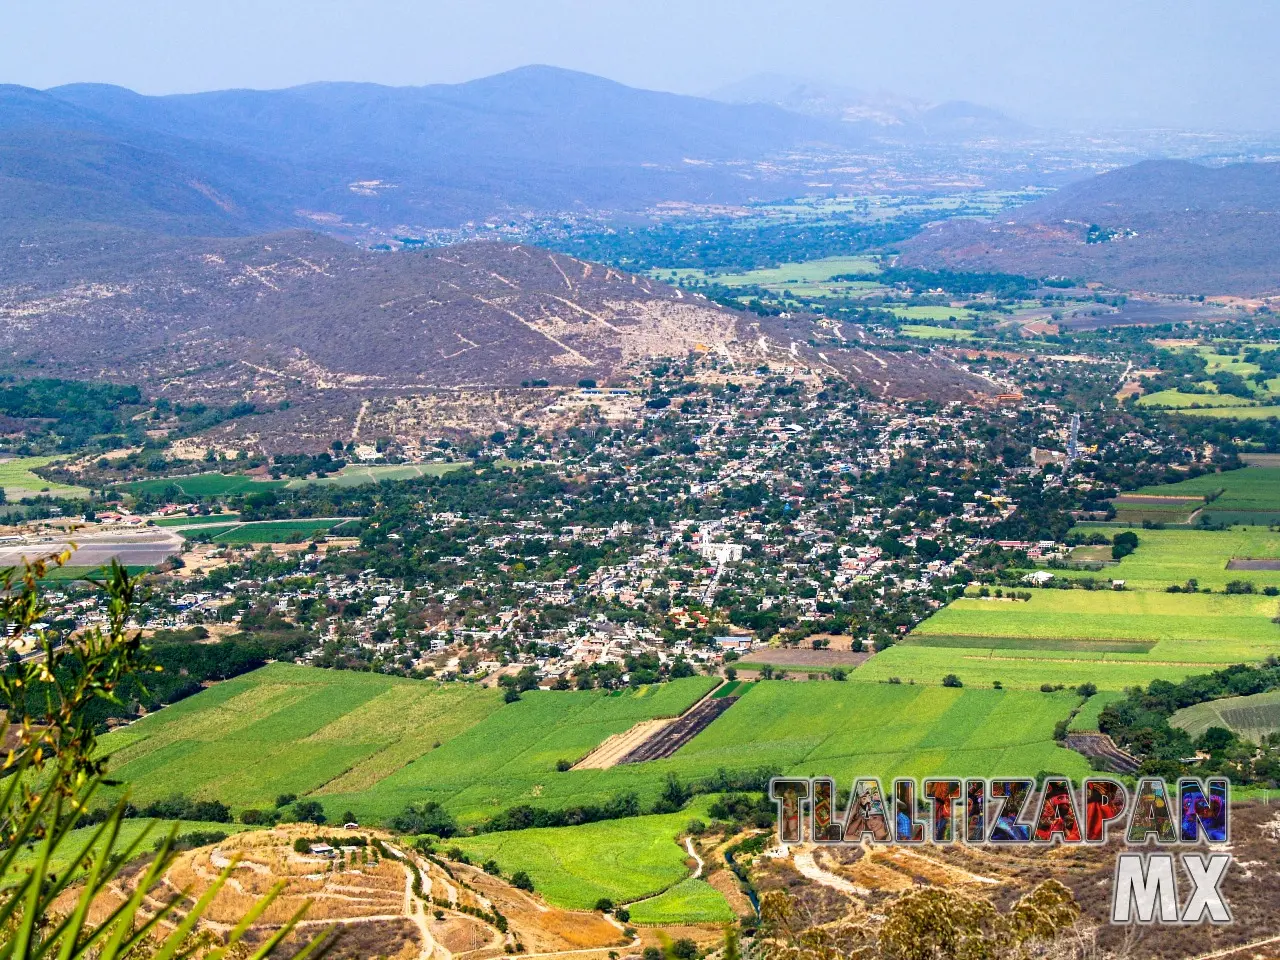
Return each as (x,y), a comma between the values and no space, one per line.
(308,811)
(520,880)
(51,775)
(426,817)
(951,680)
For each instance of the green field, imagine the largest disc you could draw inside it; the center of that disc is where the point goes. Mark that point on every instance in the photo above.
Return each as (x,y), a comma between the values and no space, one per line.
(934,315)
(1250,717)
(1166,557)
(373,744)
(198,521)
(689,901)
(355,475)
(810,278)
(1184,402)
(18,481)
(1236,413)
(573,867)
(926,332)
(1112,638)
(276,531)
(1087,718)
(203,485)
(1250,493)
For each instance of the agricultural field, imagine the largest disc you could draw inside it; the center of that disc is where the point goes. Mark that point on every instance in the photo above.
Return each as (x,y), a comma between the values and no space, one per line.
(689,901)
(373,744)
(1247,496)
(934,315)
(1113,639)
(355,475)
(1136,509)
(1166,557)
(1250,717)
(573,867)
(203,485)
(1186,402)
(1086,720)
(812,278)
(278,531)
(18,480)
(198,521)
(927,332)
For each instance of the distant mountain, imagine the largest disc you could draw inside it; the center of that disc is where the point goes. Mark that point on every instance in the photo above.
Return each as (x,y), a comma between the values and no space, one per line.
(234,162)
(1162,225)
(880,114)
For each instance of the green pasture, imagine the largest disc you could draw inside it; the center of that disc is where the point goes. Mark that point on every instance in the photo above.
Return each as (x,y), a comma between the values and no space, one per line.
(18,480)
(935,315)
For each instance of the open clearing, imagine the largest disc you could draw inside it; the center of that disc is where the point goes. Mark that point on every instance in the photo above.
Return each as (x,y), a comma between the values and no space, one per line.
(374,744)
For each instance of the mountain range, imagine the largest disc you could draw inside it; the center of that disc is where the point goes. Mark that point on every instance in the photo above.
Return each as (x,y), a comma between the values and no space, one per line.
(879,114)
(232,162)
(1162,225)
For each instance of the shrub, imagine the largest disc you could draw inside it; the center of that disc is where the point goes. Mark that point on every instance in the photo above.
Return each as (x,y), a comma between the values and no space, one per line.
(520,880)
(951,680)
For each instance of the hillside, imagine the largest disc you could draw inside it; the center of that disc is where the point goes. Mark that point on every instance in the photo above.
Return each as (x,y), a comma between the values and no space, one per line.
(317,331)
(350,156)
(1162,225)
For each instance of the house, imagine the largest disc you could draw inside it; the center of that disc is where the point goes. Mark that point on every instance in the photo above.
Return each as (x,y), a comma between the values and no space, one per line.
(321,850)
(735,642)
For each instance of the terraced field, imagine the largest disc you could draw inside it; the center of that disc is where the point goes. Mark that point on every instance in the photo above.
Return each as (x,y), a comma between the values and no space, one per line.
(1250,717)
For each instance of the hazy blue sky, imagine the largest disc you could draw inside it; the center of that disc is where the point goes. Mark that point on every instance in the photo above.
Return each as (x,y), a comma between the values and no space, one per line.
(1149,62)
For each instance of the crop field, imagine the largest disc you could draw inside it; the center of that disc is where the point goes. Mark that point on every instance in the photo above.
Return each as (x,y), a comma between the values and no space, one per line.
(289,729)
(689,901)
(925,332)
(1252,492)
(355,475)
(573,867)
(18,481)
(811,278)
(198,521)
(1112,638)
(1250,717)
(374,744)
(1133,508)
(1185,402)
(203,485)
(1166,557)
(277,531)
(1087,719)
(1266,412)
(933,314)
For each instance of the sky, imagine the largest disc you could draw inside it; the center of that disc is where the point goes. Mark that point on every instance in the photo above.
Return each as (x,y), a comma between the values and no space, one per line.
(1137,63)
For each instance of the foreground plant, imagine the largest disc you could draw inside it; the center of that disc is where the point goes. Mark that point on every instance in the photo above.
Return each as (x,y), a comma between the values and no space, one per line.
(51,773)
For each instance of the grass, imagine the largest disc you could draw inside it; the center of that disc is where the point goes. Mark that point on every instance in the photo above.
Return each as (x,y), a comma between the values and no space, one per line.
(1166,557)
(203,485)
(1186,402)
(573,867)
(926,332)
(198,521)
(689,901)
(1251,717)
(18,480)
(276,531)
(1234,413)
(355,475)
(373,744)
